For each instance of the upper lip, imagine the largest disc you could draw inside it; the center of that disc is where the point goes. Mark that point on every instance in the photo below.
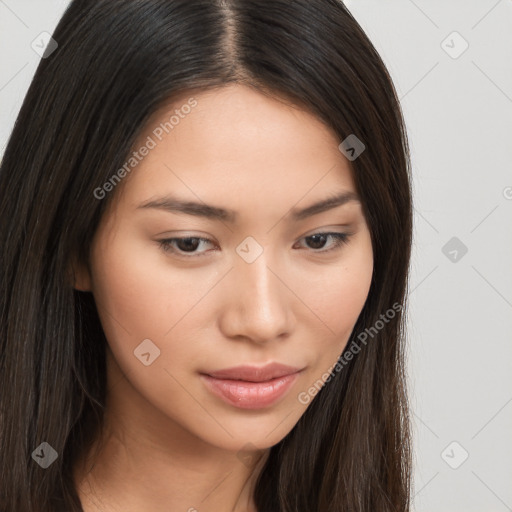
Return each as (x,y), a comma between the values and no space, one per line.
(255,374)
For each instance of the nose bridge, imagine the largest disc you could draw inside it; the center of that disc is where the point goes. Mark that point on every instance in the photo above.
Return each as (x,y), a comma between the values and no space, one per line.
(257,304)
(258,280)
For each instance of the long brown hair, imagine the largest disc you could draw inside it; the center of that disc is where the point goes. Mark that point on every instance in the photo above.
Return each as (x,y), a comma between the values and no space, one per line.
(117,61)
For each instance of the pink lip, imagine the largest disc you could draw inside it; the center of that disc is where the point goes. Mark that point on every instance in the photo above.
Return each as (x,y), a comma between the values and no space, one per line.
(254,373)
(249,387)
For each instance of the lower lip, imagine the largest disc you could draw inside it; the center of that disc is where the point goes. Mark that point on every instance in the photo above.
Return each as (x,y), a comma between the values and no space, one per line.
(250,395)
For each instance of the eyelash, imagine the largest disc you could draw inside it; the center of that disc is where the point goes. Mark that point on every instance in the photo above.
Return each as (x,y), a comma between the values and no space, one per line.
(340,239)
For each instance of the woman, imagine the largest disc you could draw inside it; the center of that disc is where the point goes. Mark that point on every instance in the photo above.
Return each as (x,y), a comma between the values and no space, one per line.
(205,214)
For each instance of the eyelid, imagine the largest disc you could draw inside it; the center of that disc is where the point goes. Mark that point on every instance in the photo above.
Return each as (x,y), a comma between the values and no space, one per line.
(328,229)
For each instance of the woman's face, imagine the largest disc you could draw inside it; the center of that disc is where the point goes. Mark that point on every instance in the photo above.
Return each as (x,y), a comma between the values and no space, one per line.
(249,285)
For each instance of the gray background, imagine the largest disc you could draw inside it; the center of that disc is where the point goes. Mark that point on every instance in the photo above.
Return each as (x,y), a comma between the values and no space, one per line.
(458,108)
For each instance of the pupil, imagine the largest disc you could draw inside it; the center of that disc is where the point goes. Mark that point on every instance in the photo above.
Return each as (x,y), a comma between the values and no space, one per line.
(186,245)
(317,237)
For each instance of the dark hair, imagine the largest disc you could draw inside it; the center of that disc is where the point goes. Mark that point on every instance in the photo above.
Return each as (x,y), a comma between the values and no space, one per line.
(116,63)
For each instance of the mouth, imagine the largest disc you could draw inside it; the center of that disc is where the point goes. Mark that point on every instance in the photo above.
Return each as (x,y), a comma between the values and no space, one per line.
(249,387)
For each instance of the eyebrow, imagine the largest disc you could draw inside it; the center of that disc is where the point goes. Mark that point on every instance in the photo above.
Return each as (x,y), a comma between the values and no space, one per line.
(172,204)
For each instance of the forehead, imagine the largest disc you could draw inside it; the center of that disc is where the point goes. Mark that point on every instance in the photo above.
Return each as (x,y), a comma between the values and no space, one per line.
(237,147)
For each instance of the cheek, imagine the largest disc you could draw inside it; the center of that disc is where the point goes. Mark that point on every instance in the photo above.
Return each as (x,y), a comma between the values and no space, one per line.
(337,293)
(140,296)
(126,291)
(135,287)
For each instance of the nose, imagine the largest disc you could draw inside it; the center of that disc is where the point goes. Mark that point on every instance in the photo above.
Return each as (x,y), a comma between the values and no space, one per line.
(257,304)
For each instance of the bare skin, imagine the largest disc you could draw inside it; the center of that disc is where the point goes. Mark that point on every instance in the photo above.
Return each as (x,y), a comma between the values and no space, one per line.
(171,444)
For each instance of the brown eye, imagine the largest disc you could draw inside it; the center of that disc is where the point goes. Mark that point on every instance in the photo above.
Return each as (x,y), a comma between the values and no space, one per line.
(183,246)
(318,241)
